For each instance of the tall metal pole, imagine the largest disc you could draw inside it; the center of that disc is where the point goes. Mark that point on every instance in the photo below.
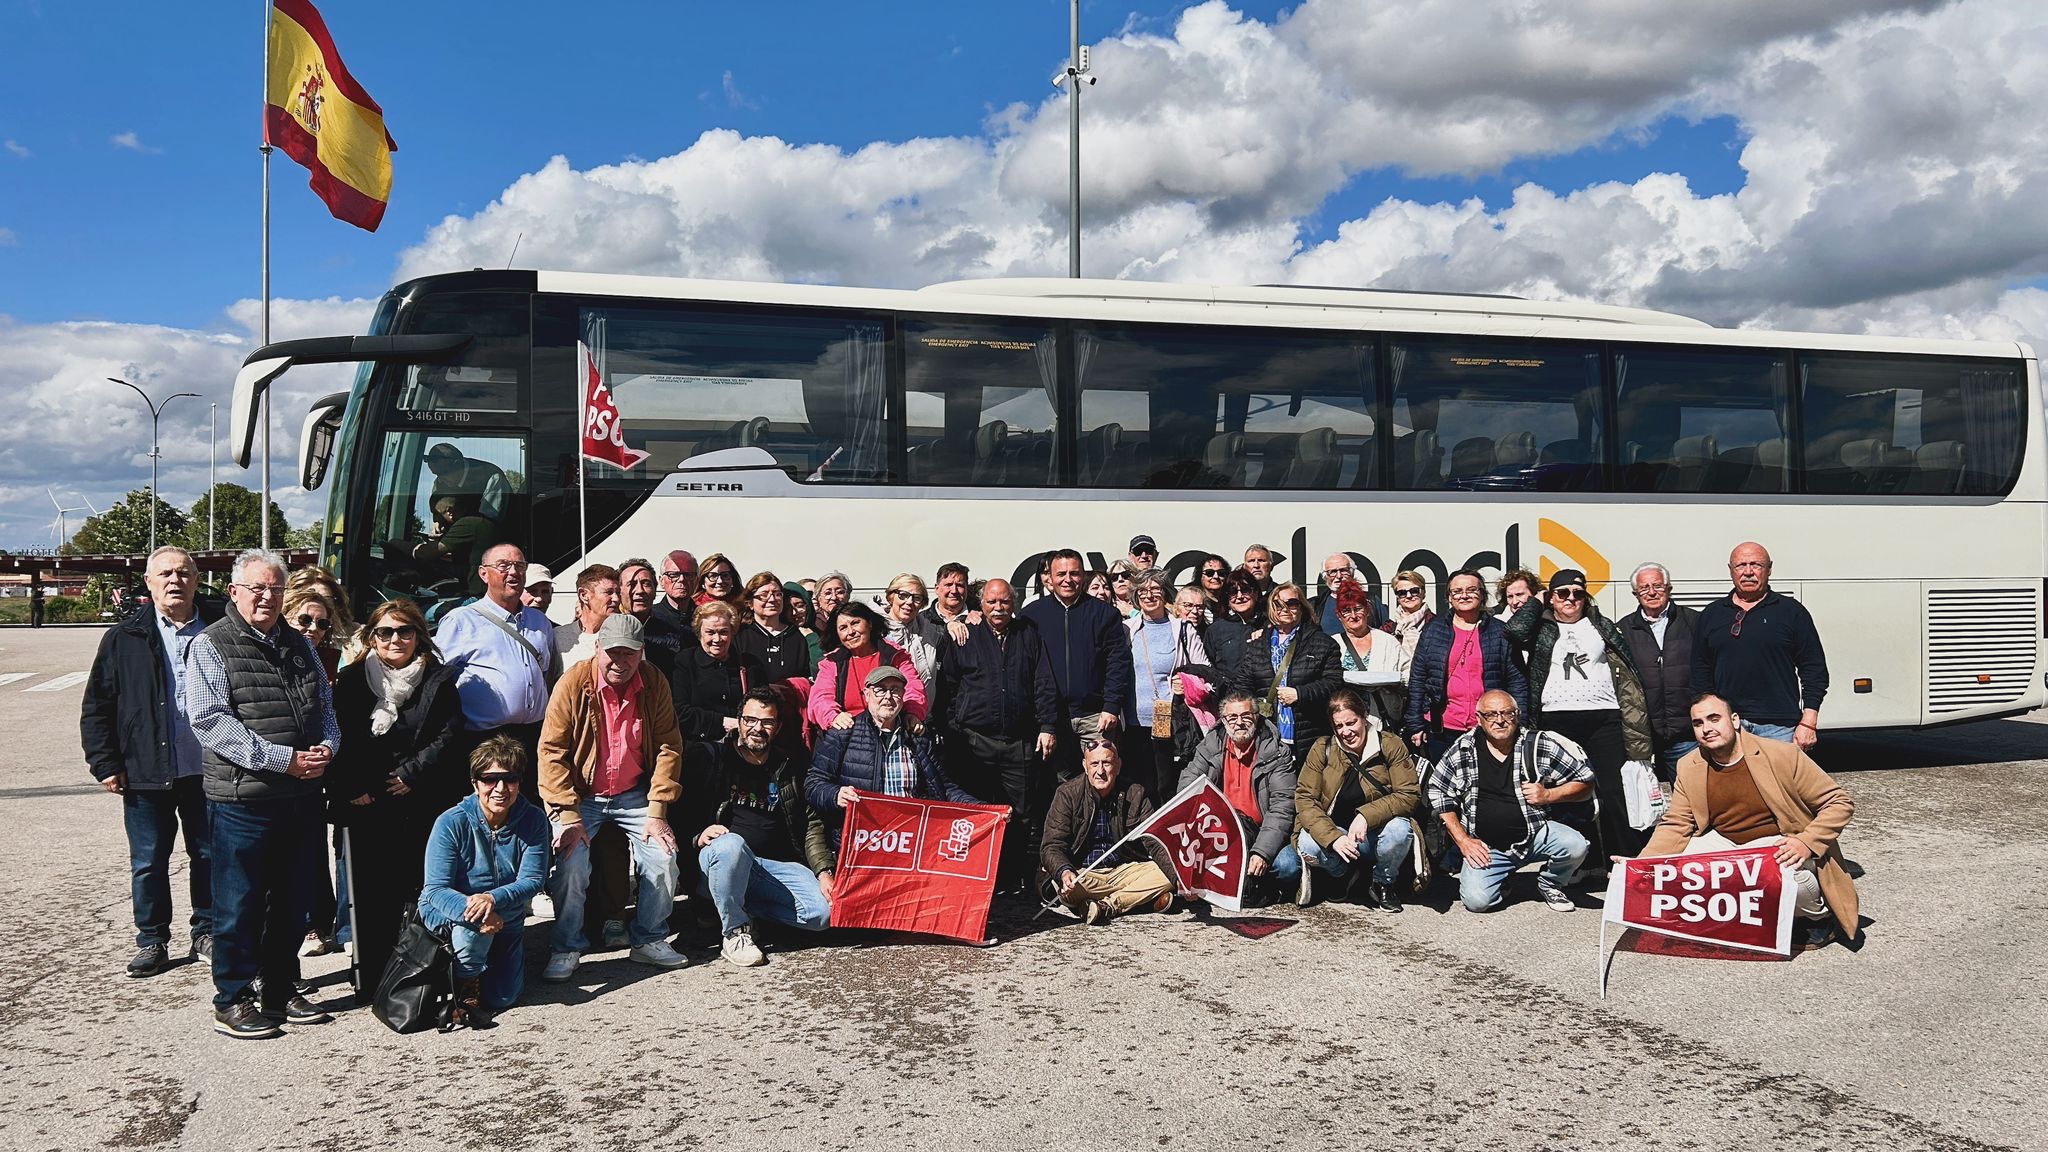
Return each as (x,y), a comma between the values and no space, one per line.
(263,512)
(212,468)
(155,412)
(1074,140)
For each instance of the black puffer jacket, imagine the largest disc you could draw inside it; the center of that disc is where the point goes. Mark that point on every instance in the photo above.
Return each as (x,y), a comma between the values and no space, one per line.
(1666,672)
(1534,631)
(1315,670)
(415,748)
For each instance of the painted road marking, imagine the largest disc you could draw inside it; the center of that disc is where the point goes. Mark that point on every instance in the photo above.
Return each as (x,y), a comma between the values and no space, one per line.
(7,678)
(67,680)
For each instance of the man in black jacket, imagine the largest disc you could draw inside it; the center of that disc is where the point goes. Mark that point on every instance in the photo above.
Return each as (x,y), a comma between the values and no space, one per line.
(1002,716)
(1760,652)
(138,741)
(1660,636)
(1091,658)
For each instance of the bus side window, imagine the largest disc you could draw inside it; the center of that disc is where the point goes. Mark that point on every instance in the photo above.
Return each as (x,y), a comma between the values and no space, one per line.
(1910,425)
(1470,413)
(977,401)
(1693,420)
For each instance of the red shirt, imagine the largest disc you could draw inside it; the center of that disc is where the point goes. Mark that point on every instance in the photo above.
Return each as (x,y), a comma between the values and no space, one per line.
(1237,781)
(619,765)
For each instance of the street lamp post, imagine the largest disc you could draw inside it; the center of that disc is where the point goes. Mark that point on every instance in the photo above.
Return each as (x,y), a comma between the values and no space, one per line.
(212,468)
(155,412)
(1072,77)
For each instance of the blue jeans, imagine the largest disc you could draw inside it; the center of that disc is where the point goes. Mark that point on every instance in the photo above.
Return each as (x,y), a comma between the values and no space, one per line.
(265,854)
(1284,870)
(499,957)
(657,873)
(1389,846)
(1779,732)
(152,820)
(1667,760)
(1561,848)
(742,886)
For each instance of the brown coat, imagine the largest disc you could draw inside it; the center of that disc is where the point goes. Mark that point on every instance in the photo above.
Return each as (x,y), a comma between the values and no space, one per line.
(569,742)
(1392,792)
(1807,803)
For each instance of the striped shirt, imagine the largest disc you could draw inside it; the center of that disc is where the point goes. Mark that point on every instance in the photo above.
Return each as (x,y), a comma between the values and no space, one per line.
(222,732)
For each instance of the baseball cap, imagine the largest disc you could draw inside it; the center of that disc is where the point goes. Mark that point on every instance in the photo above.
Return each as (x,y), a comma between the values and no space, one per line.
(1568,578)
(537,575)
(1143,544)
(885,672)
(620,630)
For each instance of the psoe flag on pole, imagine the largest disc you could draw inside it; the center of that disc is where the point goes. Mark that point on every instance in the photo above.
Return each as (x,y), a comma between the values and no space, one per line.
(1205,843)
(911,865)
(1736,898)
(320,116)
(604,432)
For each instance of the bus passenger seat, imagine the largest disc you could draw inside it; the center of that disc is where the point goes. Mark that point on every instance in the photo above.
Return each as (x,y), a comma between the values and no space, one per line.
(991,443)
(1864,461)
(1517,450)
(1316,461)
(1418,460)
(1690,457)
(752,433)
(1472,456)
(1937,468)
(1100,448)
(1223,463)
(1769,473)
(1731,469)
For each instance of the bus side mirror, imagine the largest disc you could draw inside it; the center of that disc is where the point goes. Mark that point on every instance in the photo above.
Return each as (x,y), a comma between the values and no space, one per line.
(316,439)
(269,362)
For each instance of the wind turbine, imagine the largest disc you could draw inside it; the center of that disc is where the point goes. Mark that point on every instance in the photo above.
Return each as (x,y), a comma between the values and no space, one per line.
(61,525)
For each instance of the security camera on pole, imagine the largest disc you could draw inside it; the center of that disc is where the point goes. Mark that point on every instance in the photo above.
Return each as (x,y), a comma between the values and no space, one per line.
(1076,71)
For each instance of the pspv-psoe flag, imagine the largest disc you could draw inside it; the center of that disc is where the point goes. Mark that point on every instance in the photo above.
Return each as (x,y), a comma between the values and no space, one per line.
(604,430)
(911,865)
(1737,898)
(317,113)
(1205,842)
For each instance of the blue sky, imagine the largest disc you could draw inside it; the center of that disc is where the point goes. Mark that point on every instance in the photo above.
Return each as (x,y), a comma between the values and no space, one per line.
(164,229)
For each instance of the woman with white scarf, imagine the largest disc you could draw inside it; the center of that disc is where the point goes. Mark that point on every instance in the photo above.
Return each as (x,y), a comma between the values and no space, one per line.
(1410,613)
(399,715)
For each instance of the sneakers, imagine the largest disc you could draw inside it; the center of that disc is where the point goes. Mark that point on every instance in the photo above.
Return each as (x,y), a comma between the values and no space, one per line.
(1096,913)
(319,945)
(1164,902)
(1815,934)
(1305,889)
(542,908)
(740,949)
(1382,897)
(1556,900)
(660,954)
(149,960)
(615,934)
(202,948)
(242,1021)
(561,966)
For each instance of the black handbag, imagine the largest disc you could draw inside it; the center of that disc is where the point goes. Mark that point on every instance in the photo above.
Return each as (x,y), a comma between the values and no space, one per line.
(416,991)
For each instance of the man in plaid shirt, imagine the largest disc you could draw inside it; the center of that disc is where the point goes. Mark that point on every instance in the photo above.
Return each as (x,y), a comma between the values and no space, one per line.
(1493,789)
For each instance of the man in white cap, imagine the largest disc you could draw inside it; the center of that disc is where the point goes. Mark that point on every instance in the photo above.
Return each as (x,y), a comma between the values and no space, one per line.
(594,772)
(540,588)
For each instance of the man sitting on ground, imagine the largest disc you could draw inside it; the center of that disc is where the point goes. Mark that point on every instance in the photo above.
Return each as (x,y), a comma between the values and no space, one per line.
(1493,790)
(1739,789)
(1089,814)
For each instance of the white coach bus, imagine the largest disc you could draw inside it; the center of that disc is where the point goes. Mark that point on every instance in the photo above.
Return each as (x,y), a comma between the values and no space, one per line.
(1899,484)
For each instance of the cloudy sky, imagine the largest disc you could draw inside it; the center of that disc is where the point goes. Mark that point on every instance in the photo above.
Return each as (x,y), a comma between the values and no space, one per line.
(1832,164)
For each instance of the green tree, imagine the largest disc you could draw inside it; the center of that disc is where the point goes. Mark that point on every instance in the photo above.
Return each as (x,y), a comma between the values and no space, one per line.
(236,525)
(124,528)
(307,537)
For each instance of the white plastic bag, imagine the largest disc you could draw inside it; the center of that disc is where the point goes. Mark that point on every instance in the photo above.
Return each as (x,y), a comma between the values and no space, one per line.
(1645,794)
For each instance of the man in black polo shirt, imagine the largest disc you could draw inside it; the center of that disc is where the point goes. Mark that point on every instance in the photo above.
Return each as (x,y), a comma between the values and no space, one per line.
(1759,651)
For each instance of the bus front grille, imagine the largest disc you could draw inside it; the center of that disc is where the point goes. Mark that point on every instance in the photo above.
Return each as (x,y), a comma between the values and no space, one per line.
(1980,646)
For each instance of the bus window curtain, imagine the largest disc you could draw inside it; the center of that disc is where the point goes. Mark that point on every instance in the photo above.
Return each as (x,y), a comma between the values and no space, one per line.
(1047,351)
(1992,427)
(867,402)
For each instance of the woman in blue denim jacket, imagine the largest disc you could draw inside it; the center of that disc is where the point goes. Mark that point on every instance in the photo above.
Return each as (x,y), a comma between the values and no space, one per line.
(486,861)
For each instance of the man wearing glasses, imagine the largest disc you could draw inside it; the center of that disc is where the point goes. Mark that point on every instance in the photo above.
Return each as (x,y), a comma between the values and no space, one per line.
(503,656)
(1493,790)
(1760,652)
(760,848)
(676,606)
(876,753)
(265,722)
(139,745)
(1660,636)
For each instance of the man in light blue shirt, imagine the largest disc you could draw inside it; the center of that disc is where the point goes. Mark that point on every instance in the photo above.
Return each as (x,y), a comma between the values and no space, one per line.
(503,654)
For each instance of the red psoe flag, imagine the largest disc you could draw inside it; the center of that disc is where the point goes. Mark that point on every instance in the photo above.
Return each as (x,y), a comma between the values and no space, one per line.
(1740,898)
(604,434)
(1205,842)
(317,113)
(911,865)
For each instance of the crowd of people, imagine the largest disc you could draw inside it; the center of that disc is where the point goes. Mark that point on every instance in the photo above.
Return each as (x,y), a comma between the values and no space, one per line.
(692,731)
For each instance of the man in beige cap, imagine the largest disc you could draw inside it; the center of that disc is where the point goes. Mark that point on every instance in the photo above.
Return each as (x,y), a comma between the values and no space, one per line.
(540,588)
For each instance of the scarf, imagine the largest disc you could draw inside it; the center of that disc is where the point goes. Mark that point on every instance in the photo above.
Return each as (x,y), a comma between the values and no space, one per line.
(392,687)
(1407,627)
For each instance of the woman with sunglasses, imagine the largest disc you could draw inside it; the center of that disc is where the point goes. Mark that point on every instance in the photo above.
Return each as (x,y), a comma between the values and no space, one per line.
(312,613)
(909,629)
(1123,583)
(399,714)
(485,862)
(348,637)
(1291,670)
(1583,685)
(1458,658)
(1238,615)
(721,582)
(1209,577)
(1411,611)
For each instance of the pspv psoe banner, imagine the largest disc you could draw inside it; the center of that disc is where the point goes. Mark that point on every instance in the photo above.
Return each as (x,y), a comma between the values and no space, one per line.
(1205,843)
(1736,898)
(911,865)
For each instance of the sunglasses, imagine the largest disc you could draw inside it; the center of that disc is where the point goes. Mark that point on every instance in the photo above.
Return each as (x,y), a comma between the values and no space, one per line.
(394,632)
(498,780)
(1408,593)
(1288,604)
(311,623)
(1567,594)
(1215,573)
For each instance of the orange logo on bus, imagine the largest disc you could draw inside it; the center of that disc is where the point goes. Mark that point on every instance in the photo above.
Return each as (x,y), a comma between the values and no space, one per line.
(1551,534)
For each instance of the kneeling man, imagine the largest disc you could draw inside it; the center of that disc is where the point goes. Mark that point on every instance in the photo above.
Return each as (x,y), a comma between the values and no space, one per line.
(1494,789)
(1089,814)
(1738,788)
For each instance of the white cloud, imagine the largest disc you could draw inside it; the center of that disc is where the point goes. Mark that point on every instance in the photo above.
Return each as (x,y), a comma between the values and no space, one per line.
(133,143)
(17,148)
(8,239)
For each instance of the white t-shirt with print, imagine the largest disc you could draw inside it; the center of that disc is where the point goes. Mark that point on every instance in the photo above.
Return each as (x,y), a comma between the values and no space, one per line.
(1580,678)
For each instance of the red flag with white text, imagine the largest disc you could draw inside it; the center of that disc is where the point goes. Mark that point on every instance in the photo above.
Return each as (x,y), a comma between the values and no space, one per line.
(604,433)
(1736,898)
(910,865)
(1204,842)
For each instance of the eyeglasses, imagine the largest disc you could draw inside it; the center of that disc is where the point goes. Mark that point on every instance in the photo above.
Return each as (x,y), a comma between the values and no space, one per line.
(1646,589)
(1241,719)
(721,577)
(1566,594)
(1408,593)
(394,632)
(1493,716)
(1354,610)
(1215,573)
(497,780)
(507,566)
(1150,594)
(310,623)
(1463,593)
(768,594)
(757,721)
(886,689)
(1293,605)
(904,594)
(261,591)
(678,575)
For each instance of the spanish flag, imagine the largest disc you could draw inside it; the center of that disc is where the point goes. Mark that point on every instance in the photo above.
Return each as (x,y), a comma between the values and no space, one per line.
(320,116)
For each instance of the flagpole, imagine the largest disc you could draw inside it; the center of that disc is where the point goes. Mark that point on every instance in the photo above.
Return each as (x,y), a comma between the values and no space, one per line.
(263,512)
(583,371)
(1110,852)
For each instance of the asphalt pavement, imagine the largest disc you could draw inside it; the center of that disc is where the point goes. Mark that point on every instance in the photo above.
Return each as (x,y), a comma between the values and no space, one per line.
(1346,1027)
